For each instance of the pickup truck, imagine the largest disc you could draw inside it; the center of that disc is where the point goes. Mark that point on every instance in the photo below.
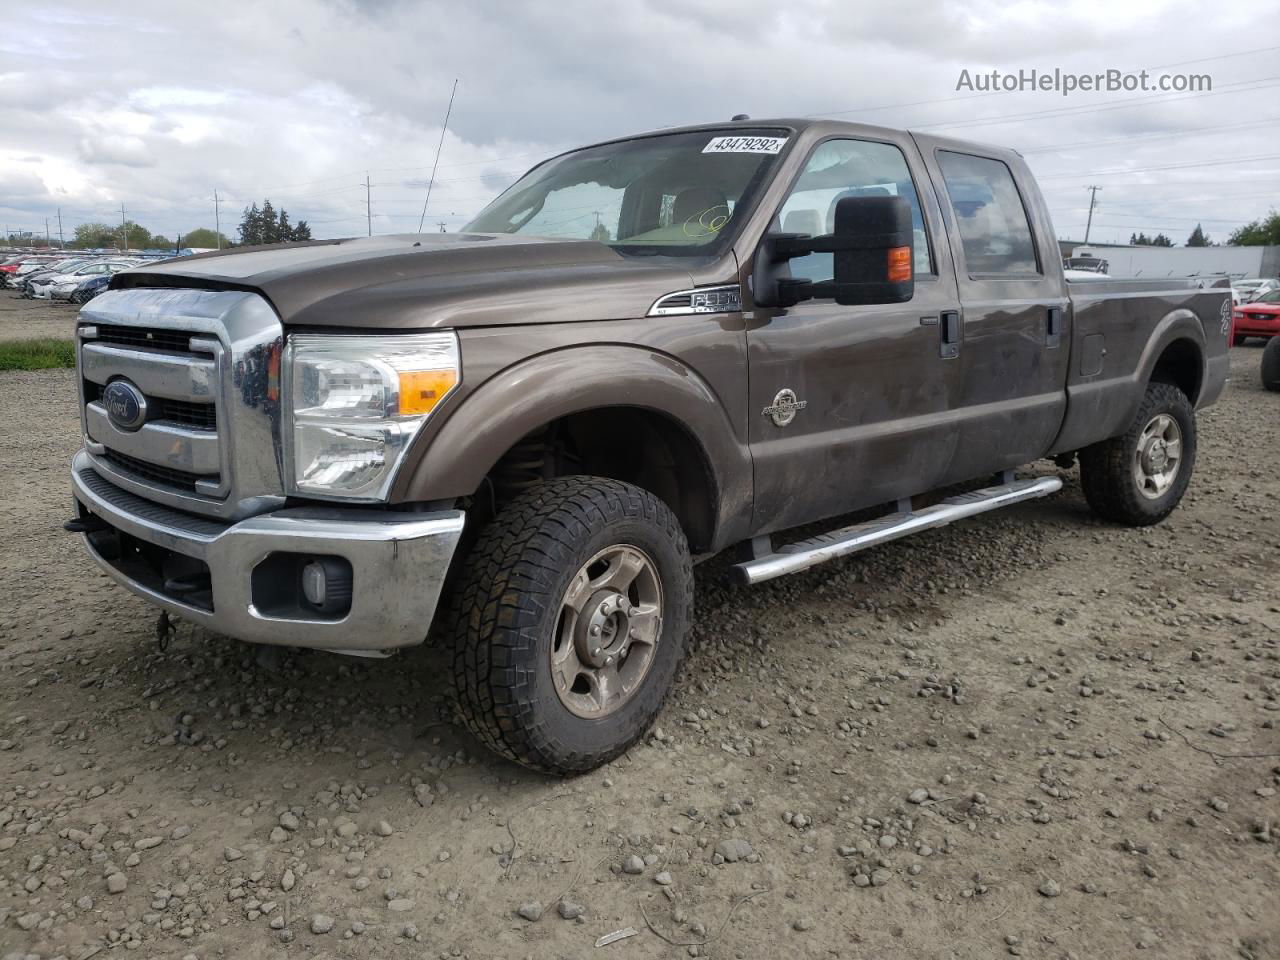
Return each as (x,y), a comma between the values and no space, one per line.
(641,354)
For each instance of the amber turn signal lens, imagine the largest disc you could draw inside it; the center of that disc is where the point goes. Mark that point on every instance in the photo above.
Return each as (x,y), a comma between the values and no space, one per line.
(420,392)
(899,264)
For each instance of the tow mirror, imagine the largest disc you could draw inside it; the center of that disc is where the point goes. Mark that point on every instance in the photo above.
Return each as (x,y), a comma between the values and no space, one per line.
(871,250)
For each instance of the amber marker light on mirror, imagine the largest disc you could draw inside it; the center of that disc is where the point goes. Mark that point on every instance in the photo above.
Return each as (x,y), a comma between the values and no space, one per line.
(899,264)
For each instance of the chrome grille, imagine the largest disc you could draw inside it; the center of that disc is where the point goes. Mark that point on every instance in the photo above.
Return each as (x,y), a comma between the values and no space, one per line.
(207,364)
(175,341)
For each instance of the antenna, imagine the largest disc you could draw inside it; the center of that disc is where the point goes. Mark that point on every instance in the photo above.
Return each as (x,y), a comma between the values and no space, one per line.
(217,221)
(440,146)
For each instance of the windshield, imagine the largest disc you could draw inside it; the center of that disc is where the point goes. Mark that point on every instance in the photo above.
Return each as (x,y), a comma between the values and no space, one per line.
(1271,296)
(676,194)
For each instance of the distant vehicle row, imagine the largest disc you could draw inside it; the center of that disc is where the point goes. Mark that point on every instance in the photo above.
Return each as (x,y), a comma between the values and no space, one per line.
(76,279)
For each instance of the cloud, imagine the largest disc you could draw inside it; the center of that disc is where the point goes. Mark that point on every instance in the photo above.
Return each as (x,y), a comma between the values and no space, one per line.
(157,105)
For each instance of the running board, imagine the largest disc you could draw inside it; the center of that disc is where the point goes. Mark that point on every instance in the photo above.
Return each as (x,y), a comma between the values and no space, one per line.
(795,557)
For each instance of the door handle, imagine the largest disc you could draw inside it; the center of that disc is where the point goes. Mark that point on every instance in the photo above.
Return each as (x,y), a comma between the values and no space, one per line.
(949,344)
(1053,327)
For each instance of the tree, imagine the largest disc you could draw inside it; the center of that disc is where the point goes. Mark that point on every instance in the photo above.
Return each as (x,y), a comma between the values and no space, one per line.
(1160,240)
(159,242)
(90,236)
(204,237)
(600,233)
(1199,238)
(1142,240)
(265,225)
(1257,233)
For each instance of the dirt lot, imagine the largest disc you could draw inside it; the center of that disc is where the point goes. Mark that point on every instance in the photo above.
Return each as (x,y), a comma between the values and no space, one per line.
(1032,734)
(25,319)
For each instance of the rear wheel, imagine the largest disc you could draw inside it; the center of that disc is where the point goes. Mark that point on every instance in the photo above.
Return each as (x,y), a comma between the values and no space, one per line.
(569,623)
(1271,364)
(1139,477)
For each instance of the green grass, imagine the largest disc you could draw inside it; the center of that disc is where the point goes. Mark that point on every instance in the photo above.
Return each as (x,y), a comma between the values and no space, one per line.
(46,353)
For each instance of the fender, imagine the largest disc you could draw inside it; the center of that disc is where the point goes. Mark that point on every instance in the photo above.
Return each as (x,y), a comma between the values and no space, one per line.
(1101,407)
(454,460)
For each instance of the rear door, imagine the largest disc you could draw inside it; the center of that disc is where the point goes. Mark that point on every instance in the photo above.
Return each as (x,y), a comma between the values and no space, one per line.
(1016,314)
(849,404)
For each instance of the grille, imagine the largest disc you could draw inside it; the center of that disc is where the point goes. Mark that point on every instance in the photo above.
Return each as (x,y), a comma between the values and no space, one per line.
(198,416)
(148,338)
(154,472)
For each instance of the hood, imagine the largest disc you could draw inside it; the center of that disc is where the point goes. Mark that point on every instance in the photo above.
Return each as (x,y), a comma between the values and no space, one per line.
(430,280)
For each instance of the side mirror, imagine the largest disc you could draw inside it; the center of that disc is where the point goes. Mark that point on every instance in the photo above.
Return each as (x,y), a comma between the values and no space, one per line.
(872,253)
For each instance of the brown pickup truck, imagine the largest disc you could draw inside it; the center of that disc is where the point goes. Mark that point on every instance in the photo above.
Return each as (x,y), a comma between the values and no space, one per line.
(642,353)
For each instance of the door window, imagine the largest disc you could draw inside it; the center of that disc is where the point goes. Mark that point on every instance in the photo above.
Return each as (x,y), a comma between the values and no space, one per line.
(994,230)
(849,168)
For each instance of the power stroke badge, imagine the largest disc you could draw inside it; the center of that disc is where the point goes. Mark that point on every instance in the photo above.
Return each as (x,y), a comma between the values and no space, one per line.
(784,408)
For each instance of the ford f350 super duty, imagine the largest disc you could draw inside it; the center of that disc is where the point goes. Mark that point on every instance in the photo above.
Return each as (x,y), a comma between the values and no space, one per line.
(642,353)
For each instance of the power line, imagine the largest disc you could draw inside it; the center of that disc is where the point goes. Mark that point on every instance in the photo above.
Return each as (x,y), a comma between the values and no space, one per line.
(1131,102)
(1147,136)
(1170,166)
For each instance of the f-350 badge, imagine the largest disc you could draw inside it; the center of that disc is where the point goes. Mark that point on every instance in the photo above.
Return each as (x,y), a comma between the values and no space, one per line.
(784,408)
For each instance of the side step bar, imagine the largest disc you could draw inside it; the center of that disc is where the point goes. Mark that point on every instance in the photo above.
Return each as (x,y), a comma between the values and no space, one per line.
(795,557)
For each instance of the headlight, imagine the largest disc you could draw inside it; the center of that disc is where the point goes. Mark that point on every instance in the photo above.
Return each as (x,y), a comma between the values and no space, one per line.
(356,402)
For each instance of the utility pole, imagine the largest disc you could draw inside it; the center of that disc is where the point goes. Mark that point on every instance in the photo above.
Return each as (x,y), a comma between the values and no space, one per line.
(217,221)
(1093,198)
(439,146)
(441,225)
(124,230)
(368,202)
(61,242)
(48,241)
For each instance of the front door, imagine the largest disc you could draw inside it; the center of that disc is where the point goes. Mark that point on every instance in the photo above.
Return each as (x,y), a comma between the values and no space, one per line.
(850,406)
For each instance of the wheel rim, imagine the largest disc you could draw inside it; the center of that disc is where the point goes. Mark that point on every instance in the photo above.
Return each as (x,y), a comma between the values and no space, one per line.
(1158,458)
(607,632)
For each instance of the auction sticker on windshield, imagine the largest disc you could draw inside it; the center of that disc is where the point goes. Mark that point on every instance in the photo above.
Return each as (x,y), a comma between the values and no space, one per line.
(744,145)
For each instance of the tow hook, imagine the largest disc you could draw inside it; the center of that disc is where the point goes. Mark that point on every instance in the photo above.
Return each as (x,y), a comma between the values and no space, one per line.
(86,524)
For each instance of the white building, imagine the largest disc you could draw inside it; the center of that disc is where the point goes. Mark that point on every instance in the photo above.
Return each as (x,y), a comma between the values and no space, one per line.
(1240,263)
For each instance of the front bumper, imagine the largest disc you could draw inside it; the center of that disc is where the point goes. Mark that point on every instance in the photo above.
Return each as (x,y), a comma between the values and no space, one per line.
(398,564)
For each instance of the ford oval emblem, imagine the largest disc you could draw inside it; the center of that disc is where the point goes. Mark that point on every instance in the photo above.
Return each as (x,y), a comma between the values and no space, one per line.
(126,405)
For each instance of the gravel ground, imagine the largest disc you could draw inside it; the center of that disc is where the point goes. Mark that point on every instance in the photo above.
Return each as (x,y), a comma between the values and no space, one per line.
(1030,734)
(24,319)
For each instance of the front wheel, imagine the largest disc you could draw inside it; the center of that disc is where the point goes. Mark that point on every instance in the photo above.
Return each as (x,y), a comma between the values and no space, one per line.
(1139,477)
(1271,364)
(569,623)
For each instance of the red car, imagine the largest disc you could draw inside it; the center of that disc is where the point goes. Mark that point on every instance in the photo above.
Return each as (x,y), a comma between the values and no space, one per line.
(1258,318)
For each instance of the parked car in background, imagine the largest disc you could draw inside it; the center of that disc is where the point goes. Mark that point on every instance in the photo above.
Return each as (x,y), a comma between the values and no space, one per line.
(1257,318)
(85,289)
(26,268)
(45,270)
(1251,290)
(42,288)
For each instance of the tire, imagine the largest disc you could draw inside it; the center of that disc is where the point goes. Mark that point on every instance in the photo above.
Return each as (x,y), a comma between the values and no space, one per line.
(1110,470)
(508,625)
(1271,364)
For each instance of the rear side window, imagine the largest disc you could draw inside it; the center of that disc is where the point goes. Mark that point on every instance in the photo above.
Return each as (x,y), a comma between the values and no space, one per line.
(994,229)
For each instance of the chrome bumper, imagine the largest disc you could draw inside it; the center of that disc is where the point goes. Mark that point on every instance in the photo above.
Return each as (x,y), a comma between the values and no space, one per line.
(398,562)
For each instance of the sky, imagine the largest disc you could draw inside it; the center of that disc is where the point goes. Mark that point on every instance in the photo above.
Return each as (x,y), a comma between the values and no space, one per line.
(157,105)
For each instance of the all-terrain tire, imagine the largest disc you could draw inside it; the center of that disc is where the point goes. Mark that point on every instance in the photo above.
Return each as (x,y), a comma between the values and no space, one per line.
(1107,468)
(1271,364)
(506,612)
